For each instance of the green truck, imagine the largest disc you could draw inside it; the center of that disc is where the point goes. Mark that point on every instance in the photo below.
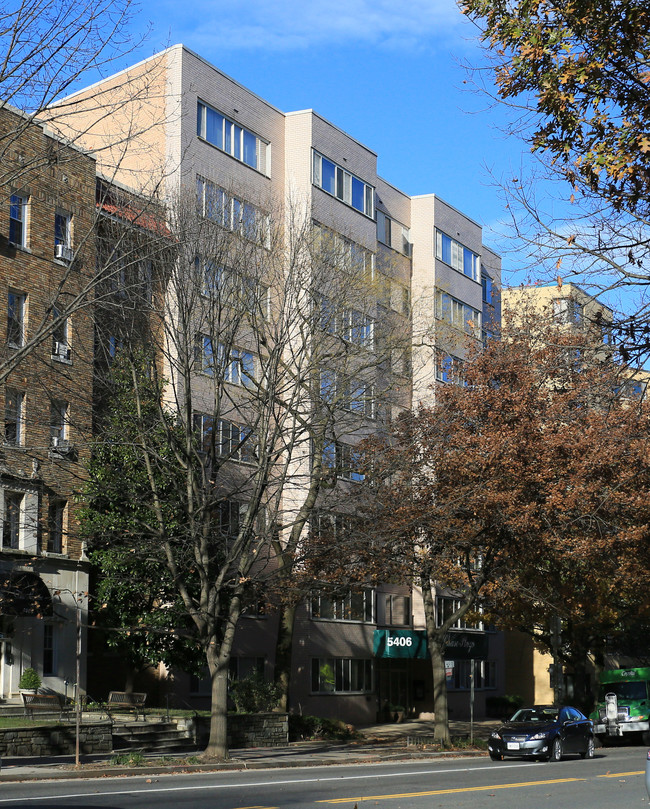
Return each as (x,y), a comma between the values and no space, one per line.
(623,707)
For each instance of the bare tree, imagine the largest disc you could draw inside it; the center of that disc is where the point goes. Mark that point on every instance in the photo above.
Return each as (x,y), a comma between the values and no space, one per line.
(270,366)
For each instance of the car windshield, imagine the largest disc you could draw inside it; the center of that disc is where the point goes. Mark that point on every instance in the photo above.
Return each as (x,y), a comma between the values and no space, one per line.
(535,715)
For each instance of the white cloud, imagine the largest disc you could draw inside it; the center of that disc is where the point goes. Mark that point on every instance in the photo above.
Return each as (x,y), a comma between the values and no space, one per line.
(281,25)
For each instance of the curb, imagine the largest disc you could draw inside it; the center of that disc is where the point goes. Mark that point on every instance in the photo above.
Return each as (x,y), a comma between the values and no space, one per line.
(60,773)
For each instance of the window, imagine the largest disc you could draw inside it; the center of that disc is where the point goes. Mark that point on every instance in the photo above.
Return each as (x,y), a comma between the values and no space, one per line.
(205,354)
(358,328)
(229,516)
(461,258)
(331,526)
(393,234)
(60,337)
(114,345)
(359,397)
(566,310)
(58,422)
(13,505)
(343,185)
(332,675)
(56,526)
(49,650)
(459,674)
(446,606)
(397,610)
(458,314)
(242,667)
(449,368)
(238,366)
(486,284)
(232,213)
(228,440)
(63,236)
(233,139)
(18,220)
(353,606)
(328,386)
(351,325)
(15,318)
(14,401)
(337,251)
(345,459)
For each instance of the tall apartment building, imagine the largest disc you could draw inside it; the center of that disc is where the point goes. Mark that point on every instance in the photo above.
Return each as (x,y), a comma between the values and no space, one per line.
(244,162)
(46,259)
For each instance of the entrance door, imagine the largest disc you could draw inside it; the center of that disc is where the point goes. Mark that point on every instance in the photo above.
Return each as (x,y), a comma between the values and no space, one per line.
(394,687)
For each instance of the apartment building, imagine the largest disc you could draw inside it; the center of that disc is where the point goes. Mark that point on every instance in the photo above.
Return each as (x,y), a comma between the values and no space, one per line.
(432,283)
(47,260)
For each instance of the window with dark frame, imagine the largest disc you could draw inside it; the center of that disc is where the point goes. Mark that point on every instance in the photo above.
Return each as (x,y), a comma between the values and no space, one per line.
(18,220)
(56,526)
(13,503)
(15,318)
(14,400)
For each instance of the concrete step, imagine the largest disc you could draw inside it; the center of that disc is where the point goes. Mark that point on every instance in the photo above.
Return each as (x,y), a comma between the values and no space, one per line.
(161,737)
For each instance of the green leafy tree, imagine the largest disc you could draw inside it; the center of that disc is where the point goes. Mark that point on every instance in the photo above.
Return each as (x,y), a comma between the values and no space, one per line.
(135,601)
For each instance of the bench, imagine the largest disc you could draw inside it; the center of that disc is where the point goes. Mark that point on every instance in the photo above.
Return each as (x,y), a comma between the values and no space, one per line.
(52,703)
(127,700)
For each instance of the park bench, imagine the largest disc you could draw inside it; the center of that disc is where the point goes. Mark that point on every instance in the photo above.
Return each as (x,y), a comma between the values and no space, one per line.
(50,703)
(127,700)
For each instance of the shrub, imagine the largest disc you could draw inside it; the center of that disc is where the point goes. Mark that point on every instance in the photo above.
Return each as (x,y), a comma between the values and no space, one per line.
(501,707)
(254,694)
(29,680)
(315,727)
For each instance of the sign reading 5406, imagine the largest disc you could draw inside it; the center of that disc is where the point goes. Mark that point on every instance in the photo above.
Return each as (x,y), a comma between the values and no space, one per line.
(400,641)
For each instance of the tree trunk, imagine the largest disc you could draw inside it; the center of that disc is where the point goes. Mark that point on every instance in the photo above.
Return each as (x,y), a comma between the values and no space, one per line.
(218,667)
(436,646)
(283,655)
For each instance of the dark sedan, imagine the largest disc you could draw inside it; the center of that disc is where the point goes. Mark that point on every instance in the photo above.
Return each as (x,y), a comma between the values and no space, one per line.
(545,732)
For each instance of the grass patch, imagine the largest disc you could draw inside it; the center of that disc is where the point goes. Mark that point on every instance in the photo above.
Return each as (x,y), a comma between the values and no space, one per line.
(133,759)
(7,722)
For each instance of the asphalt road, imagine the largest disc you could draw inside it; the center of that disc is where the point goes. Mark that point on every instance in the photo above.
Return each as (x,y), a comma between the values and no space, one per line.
(614,778)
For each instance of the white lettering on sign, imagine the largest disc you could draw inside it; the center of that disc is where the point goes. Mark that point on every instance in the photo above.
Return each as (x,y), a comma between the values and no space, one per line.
(399,641)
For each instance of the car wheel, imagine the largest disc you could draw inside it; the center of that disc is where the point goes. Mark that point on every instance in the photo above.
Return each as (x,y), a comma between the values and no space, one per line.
(589,752)
(556,750)
(496,757)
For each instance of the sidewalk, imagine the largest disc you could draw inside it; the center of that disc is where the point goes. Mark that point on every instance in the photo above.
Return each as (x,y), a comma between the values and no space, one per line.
(392,742)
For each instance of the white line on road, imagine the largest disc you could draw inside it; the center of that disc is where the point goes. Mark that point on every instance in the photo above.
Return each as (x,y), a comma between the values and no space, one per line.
(152,788)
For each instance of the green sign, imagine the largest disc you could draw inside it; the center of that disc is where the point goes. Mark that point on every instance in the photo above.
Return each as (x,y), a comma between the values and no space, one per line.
(412,644)
(401,643)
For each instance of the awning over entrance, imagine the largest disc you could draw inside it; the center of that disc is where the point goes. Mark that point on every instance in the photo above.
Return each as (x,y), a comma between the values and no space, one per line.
(24,594)
(412,644)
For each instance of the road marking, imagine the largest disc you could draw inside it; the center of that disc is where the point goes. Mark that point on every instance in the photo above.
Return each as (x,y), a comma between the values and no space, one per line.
(453,791)
(621,774)
(151,790)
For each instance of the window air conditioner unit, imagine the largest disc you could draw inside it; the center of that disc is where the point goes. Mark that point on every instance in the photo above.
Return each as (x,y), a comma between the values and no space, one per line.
(61,350)
(63,253)
(61,445)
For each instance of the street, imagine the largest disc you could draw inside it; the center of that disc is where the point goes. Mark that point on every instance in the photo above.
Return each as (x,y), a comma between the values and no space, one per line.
(614,778)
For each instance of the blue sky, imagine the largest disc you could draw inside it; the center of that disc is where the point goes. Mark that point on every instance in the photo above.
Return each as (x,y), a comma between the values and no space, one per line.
(387,73)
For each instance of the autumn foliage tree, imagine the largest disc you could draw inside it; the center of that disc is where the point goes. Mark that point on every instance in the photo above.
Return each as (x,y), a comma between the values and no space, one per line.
(522,492)
(575,76)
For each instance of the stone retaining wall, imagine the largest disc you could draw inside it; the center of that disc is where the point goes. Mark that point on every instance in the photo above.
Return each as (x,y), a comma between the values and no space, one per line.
(53,740)
(245,730)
